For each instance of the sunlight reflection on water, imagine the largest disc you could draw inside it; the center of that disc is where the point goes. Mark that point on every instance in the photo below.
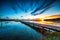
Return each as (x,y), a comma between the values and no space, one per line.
(50,23)
(47,23)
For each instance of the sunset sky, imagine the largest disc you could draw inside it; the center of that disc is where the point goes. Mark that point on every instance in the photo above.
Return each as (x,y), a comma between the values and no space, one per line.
(23,9)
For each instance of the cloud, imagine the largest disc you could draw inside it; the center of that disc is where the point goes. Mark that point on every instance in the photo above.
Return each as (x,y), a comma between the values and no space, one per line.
(45,5)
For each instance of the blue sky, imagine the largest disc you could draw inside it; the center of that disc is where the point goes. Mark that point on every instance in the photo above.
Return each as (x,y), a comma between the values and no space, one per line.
(23,8)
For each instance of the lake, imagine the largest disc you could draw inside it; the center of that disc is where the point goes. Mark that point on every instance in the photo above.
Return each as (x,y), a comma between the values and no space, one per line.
(18,31)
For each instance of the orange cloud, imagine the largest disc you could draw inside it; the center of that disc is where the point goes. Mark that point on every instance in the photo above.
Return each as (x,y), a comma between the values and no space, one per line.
(52,17)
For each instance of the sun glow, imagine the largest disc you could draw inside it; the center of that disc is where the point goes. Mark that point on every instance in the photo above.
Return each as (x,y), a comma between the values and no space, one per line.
(42,19)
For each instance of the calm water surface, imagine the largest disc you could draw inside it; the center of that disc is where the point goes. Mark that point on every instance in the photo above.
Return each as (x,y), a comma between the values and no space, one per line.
(18,31)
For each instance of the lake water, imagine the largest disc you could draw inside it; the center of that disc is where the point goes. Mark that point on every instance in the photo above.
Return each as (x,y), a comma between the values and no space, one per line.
(18,31)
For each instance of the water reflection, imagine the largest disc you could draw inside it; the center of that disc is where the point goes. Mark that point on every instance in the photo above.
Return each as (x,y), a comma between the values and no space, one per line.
(47,23)
(18,31)
(48,35)
(50,23)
